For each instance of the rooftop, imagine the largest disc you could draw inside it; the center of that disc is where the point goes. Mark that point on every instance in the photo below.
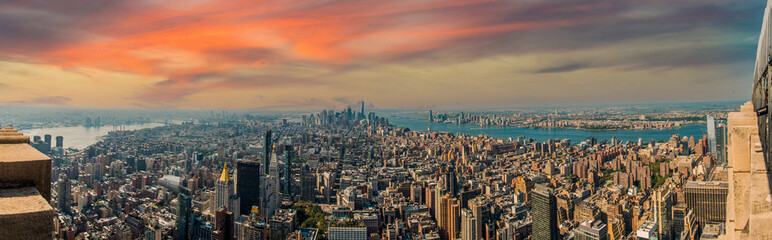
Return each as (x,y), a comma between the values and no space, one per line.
(702,184)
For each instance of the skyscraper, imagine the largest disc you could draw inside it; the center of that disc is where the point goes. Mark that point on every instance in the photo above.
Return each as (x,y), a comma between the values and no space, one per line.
(248,185)
(707,200)
(184,215)
(476,206)
(225,196)
(721,144)
(451,183)
(469,225)
(443,216)
(223,224)
(663,213)
(544,208)
(47,138)
(267,151)
(307,185)
(711,124)
(64,192)
(454,219)
(59,141)
(288,170)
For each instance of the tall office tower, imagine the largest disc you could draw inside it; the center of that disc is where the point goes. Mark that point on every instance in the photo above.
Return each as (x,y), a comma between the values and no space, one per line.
(439,192)
(307,185)
(362,111)
(267,151)
(476,206)
(430,199)
(663,213)
(184,214)
(431,116)
(592,230)
(454,219)
(288,170)
(47,138)
(469,224)
(707,200)
(223,224)
(275,179)
(267,197)
(443,216)
(679,213)
(64,194)
(141,164)
(248,185)
(721,145)
(711,124)
(545,218)
(59,141)
(224,194)
(188,166)
(451,183)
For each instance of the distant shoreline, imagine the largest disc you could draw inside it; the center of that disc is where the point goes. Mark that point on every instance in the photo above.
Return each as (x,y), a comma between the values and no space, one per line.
(574,128)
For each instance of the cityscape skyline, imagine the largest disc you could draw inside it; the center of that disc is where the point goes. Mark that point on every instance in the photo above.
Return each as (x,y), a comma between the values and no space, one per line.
(397,55)
(383,120)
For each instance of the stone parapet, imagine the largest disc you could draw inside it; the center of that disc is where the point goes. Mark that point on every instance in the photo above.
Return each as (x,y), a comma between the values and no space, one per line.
(20,163)
(25,189)
(24,214)
(749,203)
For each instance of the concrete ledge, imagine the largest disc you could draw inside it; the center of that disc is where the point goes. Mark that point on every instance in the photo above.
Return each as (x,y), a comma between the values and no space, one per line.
(24,214)
(737,119)
(739,154)
(21,163)
(15,139)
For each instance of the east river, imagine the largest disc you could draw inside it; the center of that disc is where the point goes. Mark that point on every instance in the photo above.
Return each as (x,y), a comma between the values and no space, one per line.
(413,121)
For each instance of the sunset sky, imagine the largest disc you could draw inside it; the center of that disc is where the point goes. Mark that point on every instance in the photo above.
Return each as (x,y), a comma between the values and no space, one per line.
(415,54)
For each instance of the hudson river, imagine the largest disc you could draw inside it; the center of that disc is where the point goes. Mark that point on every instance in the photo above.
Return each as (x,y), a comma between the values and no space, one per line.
(82,137)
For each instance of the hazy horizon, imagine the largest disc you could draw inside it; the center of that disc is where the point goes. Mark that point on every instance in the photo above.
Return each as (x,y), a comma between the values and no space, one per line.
(370,107)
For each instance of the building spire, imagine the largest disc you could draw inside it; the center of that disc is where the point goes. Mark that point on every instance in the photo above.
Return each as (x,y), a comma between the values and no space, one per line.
(225,177)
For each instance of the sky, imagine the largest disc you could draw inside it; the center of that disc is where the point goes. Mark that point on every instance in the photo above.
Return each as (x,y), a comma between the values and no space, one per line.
(427,54)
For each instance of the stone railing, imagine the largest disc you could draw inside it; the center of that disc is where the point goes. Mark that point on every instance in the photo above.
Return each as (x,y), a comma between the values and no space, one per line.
(25,189)
(749,204)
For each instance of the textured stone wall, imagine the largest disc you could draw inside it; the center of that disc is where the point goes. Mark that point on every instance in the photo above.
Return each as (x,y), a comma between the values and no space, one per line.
(25,189)
(749,203)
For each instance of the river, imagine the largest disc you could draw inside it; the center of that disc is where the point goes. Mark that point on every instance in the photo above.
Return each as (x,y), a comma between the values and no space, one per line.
(82,137)
(412,120)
